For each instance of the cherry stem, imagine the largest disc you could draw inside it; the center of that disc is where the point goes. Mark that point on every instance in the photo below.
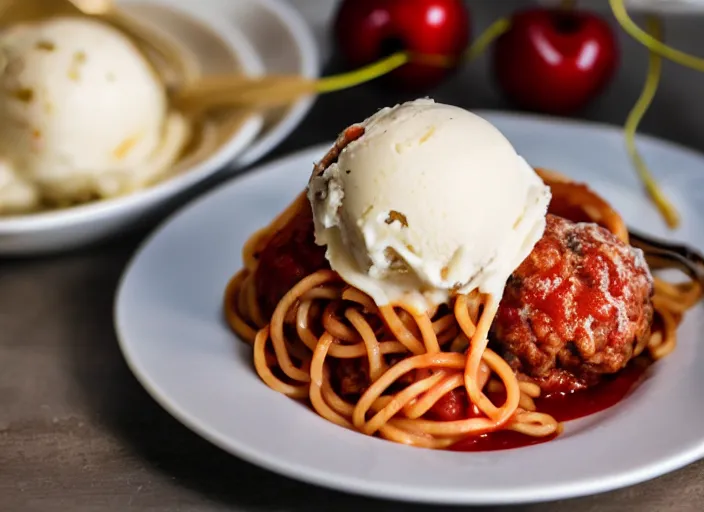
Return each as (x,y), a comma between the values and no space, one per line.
(398,59)
(651,43)
(364,74)
(667,209)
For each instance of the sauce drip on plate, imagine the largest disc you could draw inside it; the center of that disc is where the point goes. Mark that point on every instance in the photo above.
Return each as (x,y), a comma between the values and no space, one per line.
(563,407)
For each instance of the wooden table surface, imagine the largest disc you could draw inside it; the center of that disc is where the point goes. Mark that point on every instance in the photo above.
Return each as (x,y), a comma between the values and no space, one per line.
(78,433)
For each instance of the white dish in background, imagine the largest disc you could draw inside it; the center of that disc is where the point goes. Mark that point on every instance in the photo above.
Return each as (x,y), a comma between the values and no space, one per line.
(663,6)
(169,324)
(285,43)
(220,47)
(320,15)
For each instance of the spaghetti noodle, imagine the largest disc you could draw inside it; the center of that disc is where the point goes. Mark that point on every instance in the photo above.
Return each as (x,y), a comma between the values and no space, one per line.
(412,360)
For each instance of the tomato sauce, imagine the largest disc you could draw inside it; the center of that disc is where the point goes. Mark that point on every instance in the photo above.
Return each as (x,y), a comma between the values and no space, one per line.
(289,256)
(500,440)
(563,407)
(292,254)
(584,402)
(567,305)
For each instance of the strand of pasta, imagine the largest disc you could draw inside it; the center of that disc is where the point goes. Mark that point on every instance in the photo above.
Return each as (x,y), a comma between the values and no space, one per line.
(384,409)
(345,313)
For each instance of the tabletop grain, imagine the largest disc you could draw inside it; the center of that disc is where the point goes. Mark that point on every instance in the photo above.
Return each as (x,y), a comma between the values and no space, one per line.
(78,433)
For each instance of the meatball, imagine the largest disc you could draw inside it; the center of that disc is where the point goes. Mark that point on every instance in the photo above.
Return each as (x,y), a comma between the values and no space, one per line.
(288,257)
(350,377)
(292,253)
(576,308)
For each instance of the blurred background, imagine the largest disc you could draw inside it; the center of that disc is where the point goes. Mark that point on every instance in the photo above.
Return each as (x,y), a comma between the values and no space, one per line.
(76,429)
(573,61)
(676,113)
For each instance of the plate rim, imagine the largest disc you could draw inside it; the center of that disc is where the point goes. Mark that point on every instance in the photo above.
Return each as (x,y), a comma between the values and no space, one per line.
(359,485)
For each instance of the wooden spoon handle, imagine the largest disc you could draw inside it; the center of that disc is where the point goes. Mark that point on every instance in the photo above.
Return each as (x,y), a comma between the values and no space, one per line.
(218,91)
(14,11)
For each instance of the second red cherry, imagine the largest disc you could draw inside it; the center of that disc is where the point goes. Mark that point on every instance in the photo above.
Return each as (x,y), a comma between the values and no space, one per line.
(555,60)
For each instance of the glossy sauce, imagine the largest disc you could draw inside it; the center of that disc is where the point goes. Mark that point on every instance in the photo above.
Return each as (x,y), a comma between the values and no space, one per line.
(563,407)
(576,298)
(609,392)
(292,254)
(565,303)
(580,284)
(500,440)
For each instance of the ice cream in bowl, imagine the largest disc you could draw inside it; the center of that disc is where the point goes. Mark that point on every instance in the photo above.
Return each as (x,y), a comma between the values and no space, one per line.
(90,143)
(84,115)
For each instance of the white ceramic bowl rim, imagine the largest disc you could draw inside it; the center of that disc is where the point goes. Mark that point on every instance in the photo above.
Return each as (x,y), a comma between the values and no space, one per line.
(310,67)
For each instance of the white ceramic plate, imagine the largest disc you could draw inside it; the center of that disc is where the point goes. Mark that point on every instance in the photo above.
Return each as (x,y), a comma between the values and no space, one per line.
(168,320)
(284,42)
(219,47)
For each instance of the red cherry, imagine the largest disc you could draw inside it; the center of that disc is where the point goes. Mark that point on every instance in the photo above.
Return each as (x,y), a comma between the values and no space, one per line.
(368,30)
(555,60)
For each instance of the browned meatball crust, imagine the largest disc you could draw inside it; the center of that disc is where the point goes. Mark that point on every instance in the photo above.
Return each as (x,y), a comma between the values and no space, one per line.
(575,308)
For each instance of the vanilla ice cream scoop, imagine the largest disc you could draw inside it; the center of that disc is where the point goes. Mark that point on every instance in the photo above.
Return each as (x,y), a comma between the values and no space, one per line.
(82,115)
(430,201)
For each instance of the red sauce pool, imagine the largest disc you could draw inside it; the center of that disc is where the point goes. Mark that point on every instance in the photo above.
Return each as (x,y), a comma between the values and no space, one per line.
(563,407)
(292,254)
(571,406)
(500,440)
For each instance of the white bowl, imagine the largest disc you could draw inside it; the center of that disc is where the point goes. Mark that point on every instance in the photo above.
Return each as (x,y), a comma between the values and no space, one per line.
(287,44)
(219,47)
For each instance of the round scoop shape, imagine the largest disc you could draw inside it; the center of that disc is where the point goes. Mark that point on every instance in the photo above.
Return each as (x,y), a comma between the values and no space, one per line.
(84,115)
(429,202)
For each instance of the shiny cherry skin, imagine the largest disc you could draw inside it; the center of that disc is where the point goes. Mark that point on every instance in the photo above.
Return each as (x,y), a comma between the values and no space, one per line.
(555,60)
(367,30)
